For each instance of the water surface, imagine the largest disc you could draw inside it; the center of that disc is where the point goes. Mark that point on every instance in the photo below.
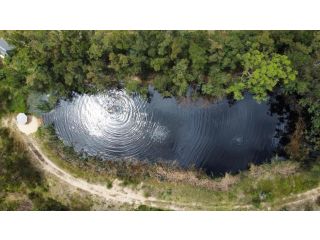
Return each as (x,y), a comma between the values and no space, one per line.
(217,137)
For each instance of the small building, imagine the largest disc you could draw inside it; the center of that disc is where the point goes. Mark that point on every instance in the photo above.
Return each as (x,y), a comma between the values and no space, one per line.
(4,48)
(22,119)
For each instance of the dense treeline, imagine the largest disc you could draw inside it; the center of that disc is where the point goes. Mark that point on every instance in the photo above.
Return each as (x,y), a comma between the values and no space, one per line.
(213,63)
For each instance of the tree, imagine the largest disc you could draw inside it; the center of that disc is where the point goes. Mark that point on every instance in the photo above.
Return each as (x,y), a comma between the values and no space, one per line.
(180,77)
(216,84)
(198,57)
(261,73)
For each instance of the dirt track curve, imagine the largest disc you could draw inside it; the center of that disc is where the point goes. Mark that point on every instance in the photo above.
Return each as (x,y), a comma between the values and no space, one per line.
(116,193)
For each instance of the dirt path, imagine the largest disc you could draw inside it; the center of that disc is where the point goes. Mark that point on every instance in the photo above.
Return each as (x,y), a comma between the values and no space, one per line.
(301,198)
(117,193)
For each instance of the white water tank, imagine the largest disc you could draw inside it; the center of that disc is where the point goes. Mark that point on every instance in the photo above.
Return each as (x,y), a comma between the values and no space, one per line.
(22,119)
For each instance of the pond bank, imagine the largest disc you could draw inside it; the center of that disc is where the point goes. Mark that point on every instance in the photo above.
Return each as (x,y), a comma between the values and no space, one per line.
(261,187)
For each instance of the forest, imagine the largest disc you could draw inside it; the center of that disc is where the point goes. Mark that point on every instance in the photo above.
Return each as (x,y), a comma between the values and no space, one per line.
(214,64)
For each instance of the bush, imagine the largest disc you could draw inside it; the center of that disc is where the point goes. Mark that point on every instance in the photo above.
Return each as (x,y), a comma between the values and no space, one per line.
(46,204)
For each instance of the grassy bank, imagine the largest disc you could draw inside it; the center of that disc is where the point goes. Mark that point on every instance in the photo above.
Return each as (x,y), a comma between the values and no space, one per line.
(261,187)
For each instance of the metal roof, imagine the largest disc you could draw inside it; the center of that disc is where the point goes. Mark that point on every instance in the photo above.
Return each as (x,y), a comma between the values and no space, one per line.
(4,47)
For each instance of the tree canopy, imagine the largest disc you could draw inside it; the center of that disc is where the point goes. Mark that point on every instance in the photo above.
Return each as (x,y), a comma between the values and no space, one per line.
(261,73)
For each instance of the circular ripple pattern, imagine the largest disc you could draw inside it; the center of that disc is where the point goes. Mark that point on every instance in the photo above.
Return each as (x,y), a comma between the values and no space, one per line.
(217,137)
(110,125)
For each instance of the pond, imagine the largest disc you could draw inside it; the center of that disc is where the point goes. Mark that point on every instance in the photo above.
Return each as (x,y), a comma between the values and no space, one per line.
(217,137)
